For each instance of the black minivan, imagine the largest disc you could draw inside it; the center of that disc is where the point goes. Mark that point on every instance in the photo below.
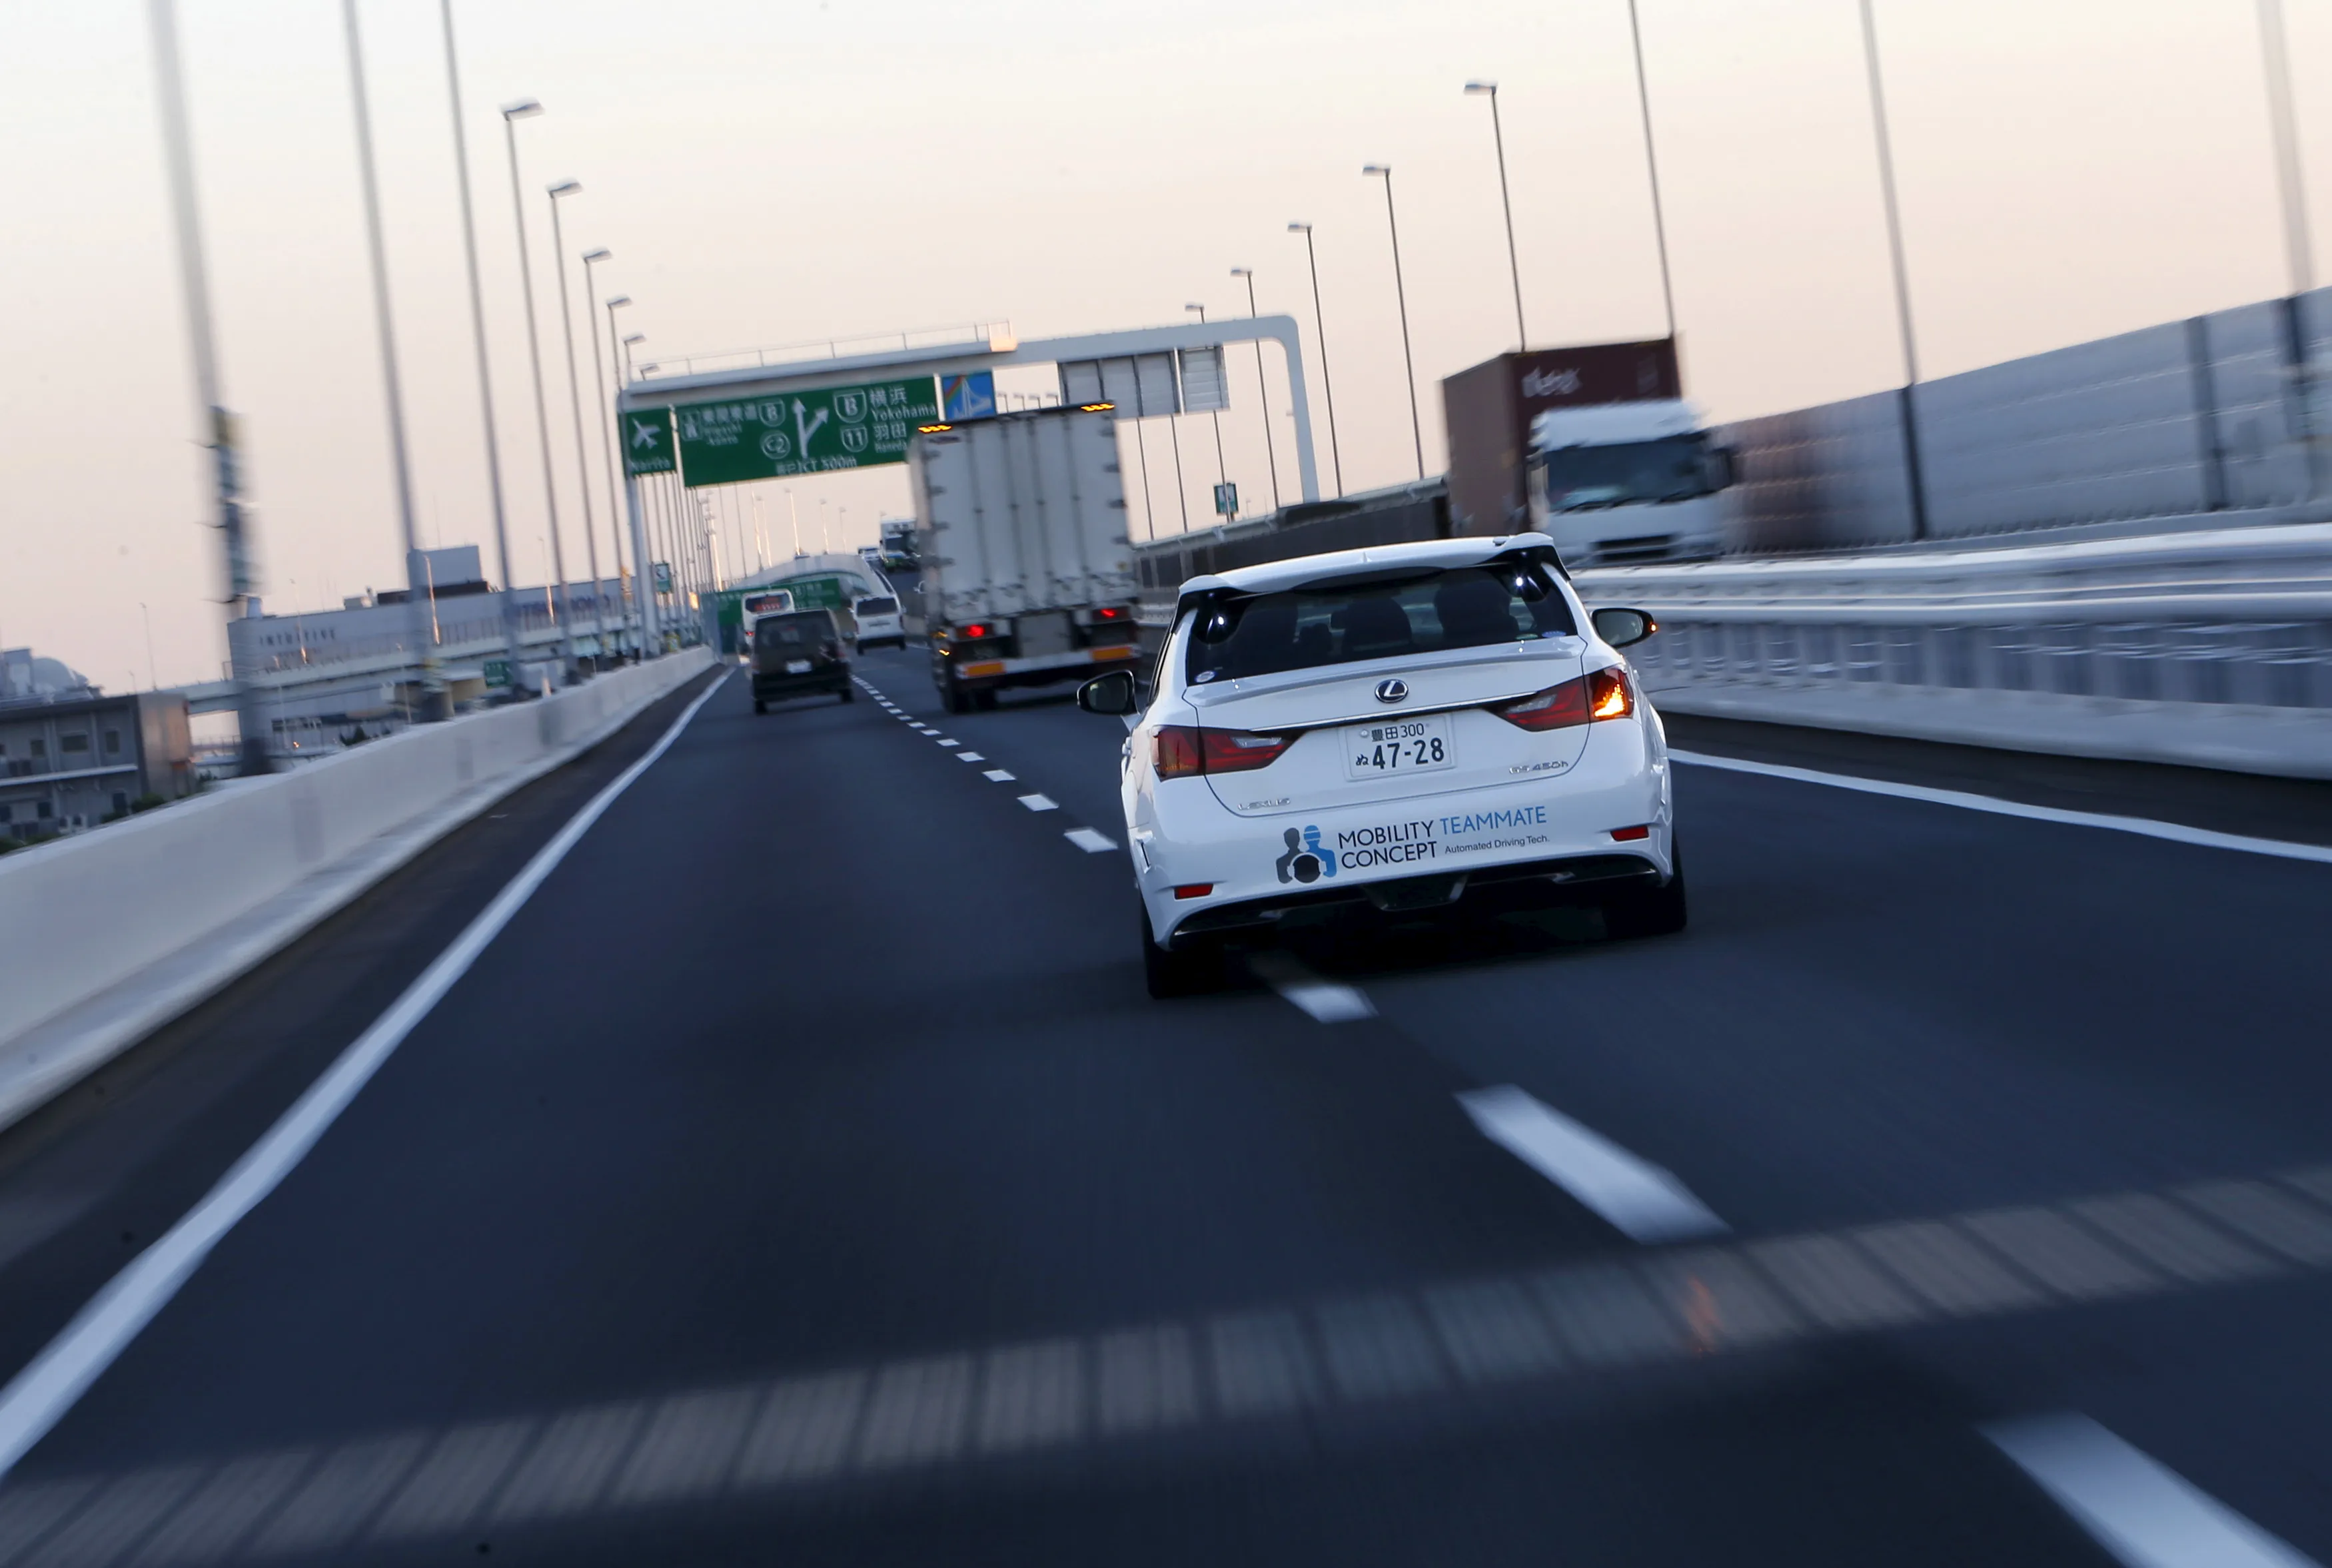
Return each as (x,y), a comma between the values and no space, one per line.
(796,653)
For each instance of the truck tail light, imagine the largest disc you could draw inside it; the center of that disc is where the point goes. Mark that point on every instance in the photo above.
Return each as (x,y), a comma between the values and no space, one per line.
(1185,750)
(975,629)
(1602,694)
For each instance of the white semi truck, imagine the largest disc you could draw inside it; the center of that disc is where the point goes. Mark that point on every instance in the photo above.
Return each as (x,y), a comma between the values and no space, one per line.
(1619,482)
(1028,574)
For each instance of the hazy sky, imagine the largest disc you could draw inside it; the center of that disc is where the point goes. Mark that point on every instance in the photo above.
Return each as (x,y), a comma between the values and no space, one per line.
(767,173)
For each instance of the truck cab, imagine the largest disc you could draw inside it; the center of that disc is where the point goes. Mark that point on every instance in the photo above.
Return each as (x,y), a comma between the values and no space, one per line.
(1618,484)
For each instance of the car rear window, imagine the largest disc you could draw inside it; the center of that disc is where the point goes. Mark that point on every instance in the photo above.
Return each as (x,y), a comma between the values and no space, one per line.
(1362,619)
(810,627)
(878,606)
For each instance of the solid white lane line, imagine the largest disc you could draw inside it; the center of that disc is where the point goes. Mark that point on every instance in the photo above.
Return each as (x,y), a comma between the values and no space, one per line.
(38,1397)
(1639,1197)
(2145,827)
(1327,1000)
(2144,1513)
(1090,842)
(970,756)
(1040,802)
(997,776)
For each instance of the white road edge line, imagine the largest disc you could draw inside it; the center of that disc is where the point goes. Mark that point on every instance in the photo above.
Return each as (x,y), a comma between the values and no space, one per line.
(2140,1510)
(1040,802)
(1637,1196)
(52,1382)
(1090,842)
(1324,1000)
(2145,827)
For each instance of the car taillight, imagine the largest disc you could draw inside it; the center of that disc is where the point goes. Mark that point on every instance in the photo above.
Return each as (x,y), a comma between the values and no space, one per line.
(1556,707)
(1238,751)
(1603,694)
(1608,695)
(1175,751)
(1184,750)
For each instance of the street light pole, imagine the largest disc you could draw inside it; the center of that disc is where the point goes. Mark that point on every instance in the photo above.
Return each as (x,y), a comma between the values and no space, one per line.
(434,706)
(1913,470)
(1652,165)
(1320,332)
(630,339)
(607,444)
(611,436)
(564,613)
(1513,264)
(1261,393)
(2298,254)
(194,280)
(1416,421)
(511,645)
(575,397)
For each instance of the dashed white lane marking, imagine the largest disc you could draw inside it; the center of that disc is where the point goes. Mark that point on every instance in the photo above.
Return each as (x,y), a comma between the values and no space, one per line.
(2145,827)
(950,740)
(1324,1000)
(970,756)
(997,776)
(1040,802)
(1640,1198)
(1090,842)
(38,1397)
(2144,1513)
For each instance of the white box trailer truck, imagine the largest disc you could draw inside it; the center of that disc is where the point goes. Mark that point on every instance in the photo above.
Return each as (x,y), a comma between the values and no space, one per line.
(1028,574)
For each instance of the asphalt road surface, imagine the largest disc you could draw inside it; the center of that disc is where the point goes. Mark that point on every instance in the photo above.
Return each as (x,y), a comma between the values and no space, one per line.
(802,1176)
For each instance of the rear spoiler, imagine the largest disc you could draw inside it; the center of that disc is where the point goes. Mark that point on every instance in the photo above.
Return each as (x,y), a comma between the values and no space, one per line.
(1211,588)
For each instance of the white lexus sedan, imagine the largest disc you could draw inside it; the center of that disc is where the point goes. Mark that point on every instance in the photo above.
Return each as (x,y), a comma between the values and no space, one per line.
(1399,726)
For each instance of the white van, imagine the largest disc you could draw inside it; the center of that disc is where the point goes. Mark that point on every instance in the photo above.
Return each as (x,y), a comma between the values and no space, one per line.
(878,622)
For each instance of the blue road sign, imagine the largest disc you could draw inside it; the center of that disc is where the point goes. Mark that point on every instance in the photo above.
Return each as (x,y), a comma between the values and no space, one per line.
(971,397)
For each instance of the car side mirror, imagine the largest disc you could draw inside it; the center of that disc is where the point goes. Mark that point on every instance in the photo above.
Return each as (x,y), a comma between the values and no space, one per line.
(1620,628)
(1111,693)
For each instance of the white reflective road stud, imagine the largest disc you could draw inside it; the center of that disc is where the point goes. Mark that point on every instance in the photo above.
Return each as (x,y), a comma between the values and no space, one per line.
(1040,802)
(997,776)
(2144,1513)
(1637,1197)
(1090,842)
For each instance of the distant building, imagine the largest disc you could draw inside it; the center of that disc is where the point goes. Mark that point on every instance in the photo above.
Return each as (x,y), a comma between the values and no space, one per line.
(71,760)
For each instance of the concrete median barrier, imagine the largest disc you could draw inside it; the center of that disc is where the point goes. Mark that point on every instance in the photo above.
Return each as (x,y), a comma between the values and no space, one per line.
(113,933)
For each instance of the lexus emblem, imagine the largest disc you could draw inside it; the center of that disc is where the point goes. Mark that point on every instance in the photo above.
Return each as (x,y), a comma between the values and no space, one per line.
(1391,690)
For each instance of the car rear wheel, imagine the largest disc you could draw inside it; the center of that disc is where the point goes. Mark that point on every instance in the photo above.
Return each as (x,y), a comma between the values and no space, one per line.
(984,700)
(1646,911)
(847,693)
(1182,972)
(760,705)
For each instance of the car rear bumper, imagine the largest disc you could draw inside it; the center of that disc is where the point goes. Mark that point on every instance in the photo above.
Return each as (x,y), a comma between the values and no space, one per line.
(972,672)
(831,677)
(1427,850)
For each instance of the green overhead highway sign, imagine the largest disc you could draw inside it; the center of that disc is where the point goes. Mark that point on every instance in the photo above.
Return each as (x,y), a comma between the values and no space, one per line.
(803,433)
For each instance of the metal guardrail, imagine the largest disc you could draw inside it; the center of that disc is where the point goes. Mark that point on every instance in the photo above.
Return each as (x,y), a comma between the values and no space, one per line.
(2241,616)
(2209,649)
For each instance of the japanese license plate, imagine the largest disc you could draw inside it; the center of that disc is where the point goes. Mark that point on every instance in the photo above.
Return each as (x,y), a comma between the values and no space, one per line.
(797,666)
(1399,745)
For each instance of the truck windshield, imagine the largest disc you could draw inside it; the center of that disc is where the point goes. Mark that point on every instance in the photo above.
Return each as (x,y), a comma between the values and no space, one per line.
(1672,469)
(1300,628)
